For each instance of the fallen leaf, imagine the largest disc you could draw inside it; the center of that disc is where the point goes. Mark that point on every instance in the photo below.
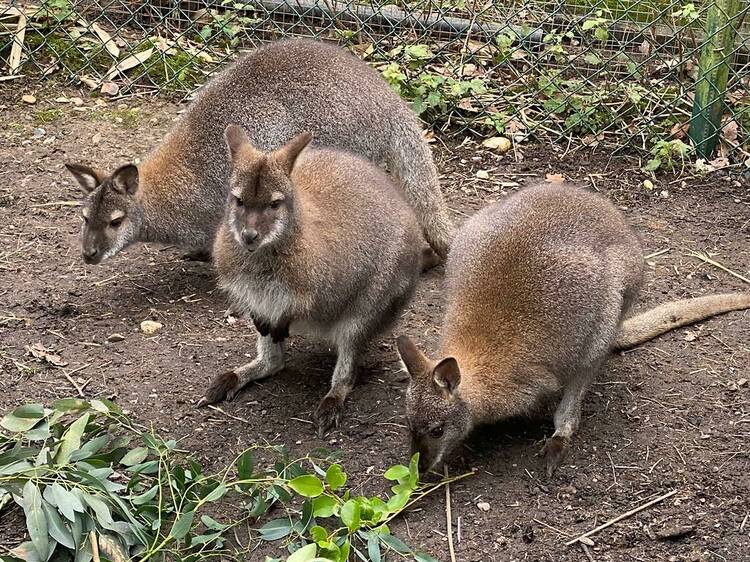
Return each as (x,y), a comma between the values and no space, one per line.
(729,131)
(106,40)
(554,178)
(483,506)
(680,130)
(129,62)
(151,327)
(88,82)
(648,184)
(28,98)
(38,351)
(498,144)
(76,101)
(62,99)
(97,138)
(110,89)
(115,338)
(690,336)
(483,174)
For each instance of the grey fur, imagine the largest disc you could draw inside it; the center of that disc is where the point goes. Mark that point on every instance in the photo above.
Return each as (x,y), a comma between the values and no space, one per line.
(338,260)
(274,93)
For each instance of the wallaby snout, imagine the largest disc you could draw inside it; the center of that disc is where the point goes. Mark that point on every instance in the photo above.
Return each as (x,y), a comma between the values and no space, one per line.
(91,256)
(249,236)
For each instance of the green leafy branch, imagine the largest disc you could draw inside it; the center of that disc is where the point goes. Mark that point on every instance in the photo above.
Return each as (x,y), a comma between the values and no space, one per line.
(83,471)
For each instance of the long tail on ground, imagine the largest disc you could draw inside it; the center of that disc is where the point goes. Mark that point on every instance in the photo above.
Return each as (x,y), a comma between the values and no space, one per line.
(647,325)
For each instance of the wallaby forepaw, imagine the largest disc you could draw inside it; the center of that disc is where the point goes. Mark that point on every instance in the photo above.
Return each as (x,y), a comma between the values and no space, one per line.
(429,259)
(328,415)
(197,255)
(223,387)
(553,452)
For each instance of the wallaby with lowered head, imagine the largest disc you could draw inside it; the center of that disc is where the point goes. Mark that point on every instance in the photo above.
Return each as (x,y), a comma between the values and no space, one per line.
(538,288)
(177,194)
(320,243)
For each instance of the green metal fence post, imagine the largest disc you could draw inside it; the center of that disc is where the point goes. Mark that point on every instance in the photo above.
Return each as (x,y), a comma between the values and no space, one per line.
(713,72)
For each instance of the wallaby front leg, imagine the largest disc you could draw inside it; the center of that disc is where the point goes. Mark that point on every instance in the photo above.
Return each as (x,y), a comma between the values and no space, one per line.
(269,361)
(329,412)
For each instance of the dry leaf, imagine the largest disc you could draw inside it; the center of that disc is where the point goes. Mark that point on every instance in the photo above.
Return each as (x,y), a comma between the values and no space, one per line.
(729,131)
(110,89)
(554,178)
(680,130)
(690,336)
(129,62)
(483,175)
(40,352)
(106,39)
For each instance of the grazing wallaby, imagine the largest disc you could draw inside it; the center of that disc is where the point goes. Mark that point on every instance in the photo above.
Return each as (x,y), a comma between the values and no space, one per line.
(177,194)
(538,287)
(320,243)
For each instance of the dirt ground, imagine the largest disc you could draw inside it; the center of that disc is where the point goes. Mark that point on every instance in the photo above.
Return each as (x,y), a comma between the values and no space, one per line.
(673,414)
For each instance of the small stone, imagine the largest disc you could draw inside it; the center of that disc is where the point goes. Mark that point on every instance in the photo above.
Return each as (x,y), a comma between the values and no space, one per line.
(483,506)
(115,338)
(97,138)
(39,133)
(28,98)
(665,194)
(648,184)
(498,144)
(483,175)
(742,382)
(76,101)
(151,327)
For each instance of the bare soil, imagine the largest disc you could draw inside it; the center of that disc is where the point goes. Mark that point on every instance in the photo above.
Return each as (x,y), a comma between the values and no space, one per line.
(673,414)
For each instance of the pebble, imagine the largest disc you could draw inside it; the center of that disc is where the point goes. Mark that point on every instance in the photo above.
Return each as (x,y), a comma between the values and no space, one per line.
(28,98)
(151,327)
(115,338)
(39,133)
(483,506)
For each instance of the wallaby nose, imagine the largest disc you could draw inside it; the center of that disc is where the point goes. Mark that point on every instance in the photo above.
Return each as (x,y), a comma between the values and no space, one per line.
(249,235)
(89,255)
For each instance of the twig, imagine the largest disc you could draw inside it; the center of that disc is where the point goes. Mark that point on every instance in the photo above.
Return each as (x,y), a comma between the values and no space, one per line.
(448,516)
(556,530)
(78,387)
(621,517)
(94,546)
(59,204)
(704,258)
(656,254)
(587,552)
(303,421)
(228,415)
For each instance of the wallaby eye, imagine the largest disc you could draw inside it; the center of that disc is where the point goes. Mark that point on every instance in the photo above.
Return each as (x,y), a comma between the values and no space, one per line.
(437,432)
(115,223)
(238,202)
(85,218)
(275,204)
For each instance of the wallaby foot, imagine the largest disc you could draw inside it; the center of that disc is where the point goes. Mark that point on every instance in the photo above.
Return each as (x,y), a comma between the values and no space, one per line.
(331,408)
(328,414)
(270,360)
(554,451)
(197,255)
(429,259)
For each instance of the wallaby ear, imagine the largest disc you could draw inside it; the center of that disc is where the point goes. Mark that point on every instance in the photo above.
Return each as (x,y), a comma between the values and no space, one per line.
(88,178)
(236,138)
(416,362)
(287,154)
(447,375)
(125,179)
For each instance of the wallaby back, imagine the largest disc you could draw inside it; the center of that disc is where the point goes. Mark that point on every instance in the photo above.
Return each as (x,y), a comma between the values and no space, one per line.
(275,92)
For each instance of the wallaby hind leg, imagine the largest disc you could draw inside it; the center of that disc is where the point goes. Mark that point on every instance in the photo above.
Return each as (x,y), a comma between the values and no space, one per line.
(269,361)
(331,408)
(567,418)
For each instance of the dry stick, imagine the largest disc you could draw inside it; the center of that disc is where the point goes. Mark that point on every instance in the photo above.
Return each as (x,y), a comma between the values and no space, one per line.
(706,259)
(78,388)
(228,414)
(655,254)
(448,516)
(621,517)
(94,546)
(587,552)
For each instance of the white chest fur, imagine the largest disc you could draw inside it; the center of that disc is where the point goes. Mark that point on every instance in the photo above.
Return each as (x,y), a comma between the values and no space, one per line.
(270,300)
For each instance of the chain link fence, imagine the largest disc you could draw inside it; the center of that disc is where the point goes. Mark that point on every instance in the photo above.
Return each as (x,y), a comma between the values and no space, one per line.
(667,77)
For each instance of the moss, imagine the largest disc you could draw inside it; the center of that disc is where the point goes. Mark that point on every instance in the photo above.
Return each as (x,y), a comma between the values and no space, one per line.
(128,118)
(175,71)
(68,53)
(47,115)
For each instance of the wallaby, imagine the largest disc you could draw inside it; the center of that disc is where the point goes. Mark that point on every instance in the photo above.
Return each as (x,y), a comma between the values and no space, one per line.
(538,287)
(177,194)
(320,243)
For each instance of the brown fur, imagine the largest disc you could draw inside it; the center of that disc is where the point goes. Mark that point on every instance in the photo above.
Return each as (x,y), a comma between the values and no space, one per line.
(313,241)
(538,286)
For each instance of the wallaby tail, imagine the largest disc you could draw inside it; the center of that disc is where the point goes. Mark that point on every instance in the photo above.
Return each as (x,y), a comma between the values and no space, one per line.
(663,318)
(410,160)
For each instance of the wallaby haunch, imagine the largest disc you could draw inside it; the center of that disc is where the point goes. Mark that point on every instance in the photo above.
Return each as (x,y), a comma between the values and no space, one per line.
(538,287)
(177,194)
(322,244)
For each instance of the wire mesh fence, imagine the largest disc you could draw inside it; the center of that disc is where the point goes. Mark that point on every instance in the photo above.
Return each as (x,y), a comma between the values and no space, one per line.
(665,76)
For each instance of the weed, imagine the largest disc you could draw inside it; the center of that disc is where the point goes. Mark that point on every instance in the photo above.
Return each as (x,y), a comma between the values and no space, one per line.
(128,118)
(668,155)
